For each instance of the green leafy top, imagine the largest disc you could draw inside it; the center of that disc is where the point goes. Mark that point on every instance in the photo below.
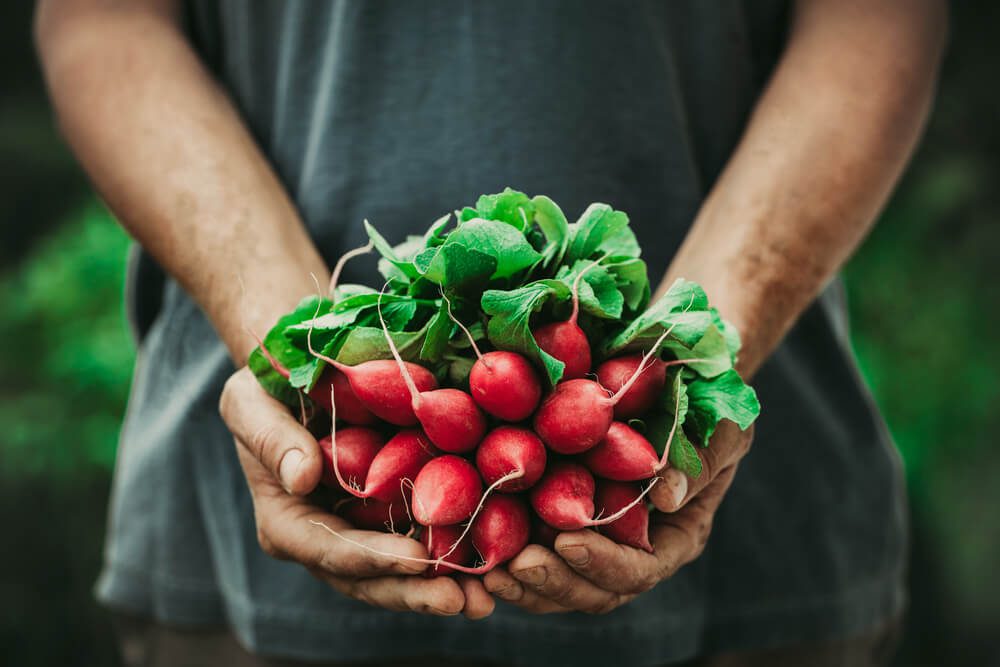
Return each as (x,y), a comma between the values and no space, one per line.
(508,265)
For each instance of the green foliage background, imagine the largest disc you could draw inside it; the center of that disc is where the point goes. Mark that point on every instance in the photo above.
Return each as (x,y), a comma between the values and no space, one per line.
(924,301)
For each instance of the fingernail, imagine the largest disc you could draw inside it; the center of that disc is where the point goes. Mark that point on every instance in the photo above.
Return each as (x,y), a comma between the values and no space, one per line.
(677,482)
(535,576)
(288,467)
(510,592)
(575,555)
(440,612)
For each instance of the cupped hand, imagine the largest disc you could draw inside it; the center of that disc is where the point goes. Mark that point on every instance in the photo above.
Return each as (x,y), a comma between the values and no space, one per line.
(282,463)
(588,572)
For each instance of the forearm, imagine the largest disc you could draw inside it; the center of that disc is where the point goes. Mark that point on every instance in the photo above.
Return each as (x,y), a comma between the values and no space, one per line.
(821,153)
(168,152)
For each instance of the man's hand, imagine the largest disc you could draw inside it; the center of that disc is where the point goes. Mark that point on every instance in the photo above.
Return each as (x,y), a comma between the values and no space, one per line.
(282,463)
(595,575)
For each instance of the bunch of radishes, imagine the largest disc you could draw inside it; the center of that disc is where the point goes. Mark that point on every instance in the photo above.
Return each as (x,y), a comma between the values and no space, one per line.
(479,453)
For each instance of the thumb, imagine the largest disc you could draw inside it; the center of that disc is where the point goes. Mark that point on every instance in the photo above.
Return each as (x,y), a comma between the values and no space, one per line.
(266,429)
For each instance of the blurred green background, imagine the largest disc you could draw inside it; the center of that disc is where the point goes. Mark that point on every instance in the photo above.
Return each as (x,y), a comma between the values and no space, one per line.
(925,303)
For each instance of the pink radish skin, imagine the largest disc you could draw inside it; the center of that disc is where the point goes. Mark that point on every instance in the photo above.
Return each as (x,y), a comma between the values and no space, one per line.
(578,413)
(501,530)
(635,402)
(632,528)
(505,385)
(446,491)
(441,544)
(349,408)
(356,449)
(564,498)
(371,514)
(502,383)
(574,417)
(402,458)
(381,387)
(508,449)
(499,533)
(566,342)
(450,417)
(622,455)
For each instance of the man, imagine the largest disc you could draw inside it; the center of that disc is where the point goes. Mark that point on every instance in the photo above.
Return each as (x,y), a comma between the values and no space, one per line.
(242,142)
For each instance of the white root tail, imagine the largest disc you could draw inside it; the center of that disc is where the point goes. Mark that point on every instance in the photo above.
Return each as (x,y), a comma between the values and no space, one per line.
(576,288)
(599,521)
(486,567)
(407,378)
(468,334)
(512,475)
(339,266)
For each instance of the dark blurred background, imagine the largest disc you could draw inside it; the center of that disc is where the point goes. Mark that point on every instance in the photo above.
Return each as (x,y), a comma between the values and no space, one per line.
(925,302)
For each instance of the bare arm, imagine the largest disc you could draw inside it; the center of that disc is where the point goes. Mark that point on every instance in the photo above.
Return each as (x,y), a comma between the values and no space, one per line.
(167,150)
(823,150)
(826,143)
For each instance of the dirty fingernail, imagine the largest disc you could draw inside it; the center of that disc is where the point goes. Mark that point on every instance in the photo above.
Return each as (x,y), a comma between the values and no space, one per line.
(440,612)
(511,592)
(535,576)
(287,468)
(575,555)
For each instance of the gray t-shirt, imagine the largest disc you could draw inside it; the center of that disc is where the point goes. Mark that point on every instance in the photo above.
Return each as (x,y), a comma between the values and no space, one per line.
(398,111)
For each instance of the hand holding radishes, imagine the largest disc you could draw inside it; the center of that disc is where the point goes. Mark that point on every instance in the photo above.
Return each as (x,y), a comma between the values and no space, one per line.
(593,573)
(510,380)
(283,462)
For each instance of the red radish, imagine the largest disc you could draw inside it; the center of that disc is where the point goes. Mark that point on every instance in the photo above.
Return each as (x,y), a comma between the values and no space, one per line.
(441,544)
(356,449)
(450,417)
(371,514)
(506,385)
(511,459)
(578,413)
(349,408)
(499,533)
(632,528)
(614,373)
(446,491)
(564,498)
(501,530)
(402,458)
(379,385)
(622,455)
(506,450)
(574,417)
(383,389)
(502,383)
(566,341)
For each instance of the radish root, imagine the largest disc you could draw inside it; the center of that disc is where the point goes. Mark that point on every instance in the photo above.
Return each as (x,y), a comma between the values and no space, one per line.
(486,567)
(512,475)
(339,267)
(598,521)
(468,334)
(407,378)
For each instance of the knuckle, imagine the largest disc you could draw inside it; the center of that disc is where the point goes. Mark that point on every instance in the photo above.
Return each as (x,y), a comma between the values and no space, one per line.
(230,394)
(262,441)
(267,545)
